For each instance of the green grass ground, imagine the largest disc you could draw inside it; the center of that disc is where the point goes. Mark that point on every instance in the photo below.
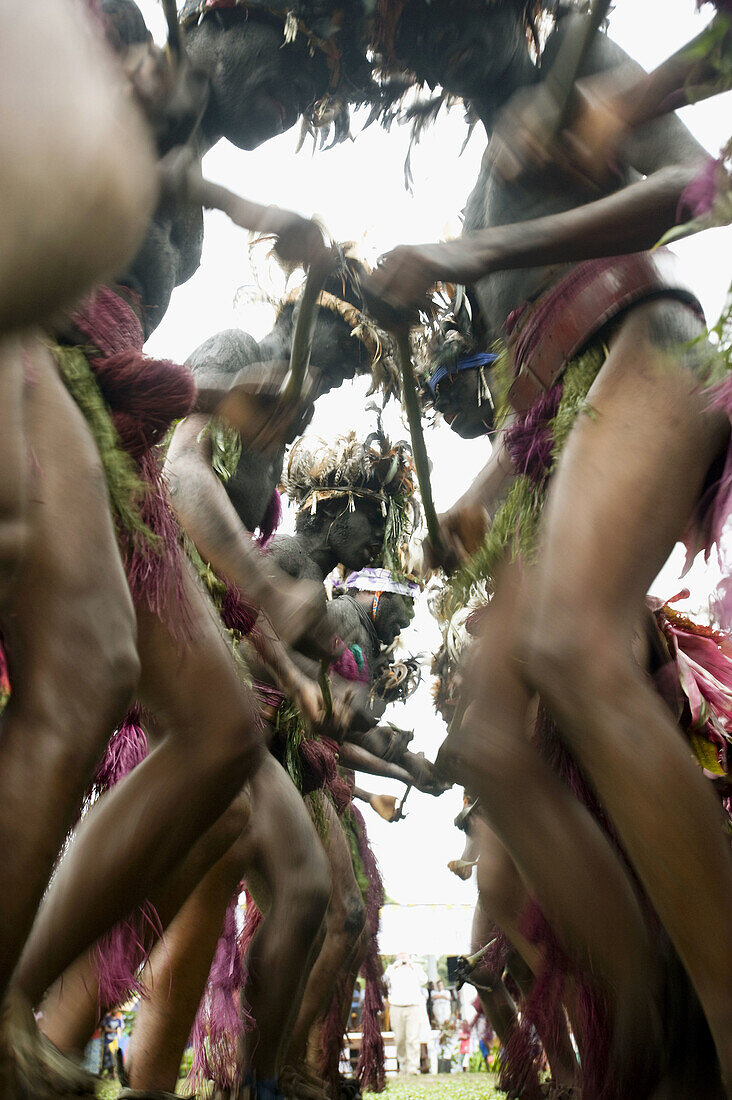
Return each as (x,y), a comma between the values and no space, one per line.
(453,1086)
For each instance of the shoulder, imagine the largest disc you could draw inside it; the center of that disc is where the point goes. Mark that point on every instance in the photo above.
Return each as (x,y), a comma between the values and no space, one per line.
(289,554)
(225,353)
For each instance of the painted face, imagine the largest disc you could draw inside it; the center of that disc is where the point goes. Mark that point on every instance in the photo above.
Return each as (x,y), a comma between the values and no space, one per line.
(355,537)
(456,398)
(259,84)
(393,614)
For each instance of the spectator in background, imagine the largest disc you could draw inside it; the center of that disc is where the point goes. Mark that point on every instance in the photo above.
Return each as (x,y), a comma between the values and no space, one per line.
(464,1041)
(405,980)
(112,1026)
(441,1004)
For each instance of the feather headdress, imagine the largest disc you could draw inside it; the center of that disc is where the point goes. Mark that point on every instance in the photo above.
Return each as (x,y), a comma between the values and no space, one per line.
(348,470)
(339,29)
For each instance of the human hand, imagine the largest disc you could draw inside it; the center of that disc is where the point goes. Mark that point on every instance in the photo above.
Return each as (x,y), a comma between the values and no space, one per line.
(299,240)
(398,287)
(526,138)
(462,531)
(173,97)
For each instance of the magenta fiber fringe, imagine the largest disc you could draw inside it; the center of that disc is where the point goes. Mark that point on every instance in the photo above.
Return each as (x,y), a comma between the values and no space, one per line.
(126,748)
(332,1034)
(529,440)
(219,1024)
(271,522)
(144,396)
(236,611)
(319,764)
(120,955)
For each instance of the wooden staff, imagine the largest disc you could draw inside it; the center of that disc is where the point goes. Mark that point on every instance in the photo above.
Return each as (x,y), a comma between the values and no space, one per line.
(419,451)
(302,338)
(175,34)
(564,72)
(399,814)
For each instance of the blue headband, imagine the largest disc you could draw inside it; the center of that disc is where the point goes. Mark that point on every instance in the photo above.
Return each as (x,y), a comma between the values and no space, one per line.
(470,362)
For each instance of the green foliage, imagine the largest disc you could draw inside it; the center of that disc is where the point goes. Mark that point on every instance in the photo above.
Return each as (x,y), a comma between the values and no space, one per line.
(126,489)
(225,447)
(515,528)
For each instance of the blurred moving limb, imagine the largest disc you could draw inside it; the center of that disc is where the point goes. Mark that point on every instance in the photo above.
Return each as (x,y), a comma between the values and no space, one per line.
(63,231)
(372,749)
(631,220)
(604,111)
(210,519)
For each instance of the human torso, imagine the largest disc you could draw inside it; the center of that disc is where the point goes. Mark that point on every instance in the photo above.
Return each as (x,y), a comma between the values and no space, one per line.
(495,202)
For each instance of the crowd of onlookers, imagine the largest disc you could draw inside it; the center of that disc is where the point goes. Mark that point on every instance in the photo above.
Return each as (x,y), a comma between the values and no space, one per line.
(417,1009)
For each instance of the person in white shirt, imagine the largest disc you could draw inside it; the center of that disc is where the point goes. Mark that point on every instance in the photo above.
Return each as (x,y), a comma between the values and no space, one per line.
(405,980)
(441,1004)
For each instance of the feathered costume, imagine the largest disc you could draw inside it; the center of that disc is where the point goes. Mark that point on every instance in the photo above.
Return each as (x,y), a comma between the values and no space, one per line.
(348,470)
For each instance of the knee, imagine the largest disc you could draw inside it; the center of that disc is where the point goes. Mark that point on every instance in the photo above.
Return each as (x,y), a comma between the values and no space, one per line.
(305,899)
(354,916)
(574,663)
(232,748)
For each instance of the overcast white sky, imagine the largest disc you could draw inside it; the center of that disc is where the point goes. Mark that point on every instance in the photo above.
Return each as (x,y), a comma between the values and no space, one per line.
(357,190)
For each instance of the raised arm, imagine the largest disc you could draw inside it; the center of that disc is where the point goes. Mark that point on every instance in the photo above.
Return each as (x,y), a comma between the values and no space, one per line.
(209,518)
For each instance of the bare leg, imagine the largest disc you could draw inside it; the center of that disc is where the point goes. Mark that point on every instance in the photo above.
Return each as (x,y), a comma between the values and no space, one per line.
(624,490)
(344,924)
(498,1005)
(279,847)
(210,743)
(14,462)
(71,642)
(587,897)
(503,897)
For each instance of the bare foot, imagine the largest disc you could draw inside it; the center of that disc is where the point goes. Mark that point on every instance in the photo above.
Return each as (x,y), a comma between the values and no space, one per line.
(385,805)
(300,1083)
(31,1068)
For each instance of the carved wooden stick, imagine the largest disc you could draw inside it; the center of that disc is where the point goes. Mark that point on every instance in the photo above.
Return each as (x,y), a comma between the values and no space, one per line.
(302,338)
(175,33)
(419,450)
(564,72)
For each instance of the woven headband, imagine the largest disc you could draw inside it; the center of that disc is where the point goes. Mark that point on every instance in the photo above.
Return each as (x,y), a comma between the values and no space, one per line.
(471,362)
(380,580)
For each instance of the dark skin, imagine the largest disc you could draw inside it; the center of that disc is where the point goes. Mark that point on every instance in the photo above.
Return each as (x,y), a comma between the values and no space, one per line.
(85,900)
(607,544)
(206,510)
(59,236)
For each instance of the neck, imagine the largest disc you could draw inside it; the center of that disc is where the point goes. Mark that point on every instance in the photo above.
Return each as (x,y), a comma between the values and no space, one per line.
(490,99)
(320,553)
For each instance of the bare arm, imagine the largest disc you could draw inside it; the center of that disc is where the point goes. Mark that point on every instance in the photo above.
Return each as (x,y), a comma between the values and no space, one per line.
(208,516)
(630,220)
(353,756)
(77,172)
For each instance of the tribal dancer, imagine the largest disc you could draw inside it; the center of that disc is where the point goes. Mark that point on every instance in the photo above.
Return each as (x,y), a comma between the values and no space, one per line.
(562,624)
(63,598)
(205,732)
